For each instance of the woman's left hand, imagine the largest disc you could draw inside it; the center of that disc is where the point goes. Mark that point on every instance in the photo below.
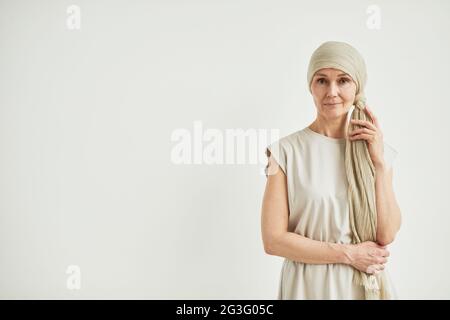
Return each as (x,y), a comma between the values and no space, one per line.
(371,132)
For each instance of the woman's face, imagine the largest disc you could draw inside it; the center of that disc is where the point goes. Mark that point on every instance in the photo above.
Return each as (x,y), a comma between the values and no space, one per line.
(333,91)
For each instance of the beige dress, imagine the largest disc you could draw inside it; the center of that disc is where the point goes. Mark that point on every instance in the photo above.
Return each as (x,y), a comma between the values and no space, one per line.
(318,209)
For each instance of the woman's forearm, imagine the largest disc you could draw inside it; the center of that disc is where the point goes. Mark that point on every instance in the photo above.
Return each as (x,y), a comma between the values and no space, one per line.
(388,211)
(298,248)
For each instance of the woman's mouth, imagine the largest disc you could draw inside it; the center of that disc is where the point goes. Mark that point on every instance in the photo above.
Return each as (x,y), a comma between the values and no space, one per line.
(332,104)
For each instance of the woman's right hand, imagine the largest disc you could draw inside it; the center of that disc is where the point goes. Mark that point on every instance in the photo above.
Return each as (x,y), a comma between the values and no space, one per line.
(368,256)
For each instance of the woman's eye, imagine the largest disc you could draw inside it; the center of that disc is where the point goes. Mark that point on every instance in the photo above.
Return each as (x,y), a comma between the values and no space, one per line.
(342,80)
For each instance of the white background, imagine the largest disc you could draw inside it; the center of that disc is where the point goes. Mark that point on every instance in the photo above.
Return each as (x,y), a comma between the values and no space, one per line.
(86,176)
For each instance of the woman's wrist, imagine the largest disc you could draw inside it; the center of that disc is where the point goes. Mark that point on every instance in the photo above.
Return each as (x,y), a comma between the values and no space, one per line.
(346,253)
(342,252)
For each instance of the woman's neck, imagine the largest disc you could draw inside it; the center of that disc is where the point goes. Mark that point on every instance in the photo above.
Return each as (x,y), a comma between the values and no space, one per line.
(332,129)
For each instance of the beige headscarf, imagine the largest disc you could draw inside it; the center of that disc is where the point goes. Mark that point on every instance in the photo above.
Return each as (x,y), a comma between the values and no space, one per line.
(358,164)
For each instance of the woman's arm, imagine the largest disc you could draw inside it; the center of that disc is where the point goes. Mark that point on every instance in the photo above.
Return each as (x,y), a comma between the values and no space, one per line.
(298,248)
(388,211)
(274,223)
(278,241)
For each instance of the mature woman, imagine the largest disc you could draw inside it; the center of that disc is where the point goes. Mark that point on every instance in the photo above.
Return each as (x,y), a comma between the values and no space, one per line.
(331,210)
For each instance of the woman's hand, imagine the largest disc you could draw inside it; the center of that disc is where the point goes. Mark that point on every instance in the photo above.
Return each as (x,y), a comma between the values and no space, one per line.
(371,132)
(368,256)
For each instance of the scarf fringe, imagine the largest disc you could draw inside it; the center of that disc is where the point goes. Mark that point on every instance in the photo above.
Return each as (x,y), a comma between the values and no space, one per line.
(374,285)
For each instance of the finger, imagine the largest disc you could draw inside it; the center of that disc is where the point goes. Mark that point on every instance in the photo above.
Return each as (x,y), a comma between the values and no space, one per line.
(380,267)
(368,137)
(382,260)
(370,269)
(369,112)
(364,123)
(362,130)
(377,271)
(374,268)
(372,116)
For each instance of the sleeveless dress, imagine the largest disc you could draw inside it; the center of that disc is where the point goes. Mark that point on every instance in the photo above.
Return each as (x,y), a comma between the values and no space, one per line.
(318,209)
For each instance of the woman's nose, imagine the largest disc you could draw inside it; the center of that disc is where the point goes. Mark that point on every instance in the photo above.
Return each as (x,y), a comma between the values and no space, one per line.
(332,90)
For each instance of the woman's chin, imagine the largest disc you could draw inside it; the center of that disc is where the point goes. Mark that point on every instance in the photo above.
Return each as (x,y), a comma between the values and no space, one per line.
(333,109)
(335,112)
